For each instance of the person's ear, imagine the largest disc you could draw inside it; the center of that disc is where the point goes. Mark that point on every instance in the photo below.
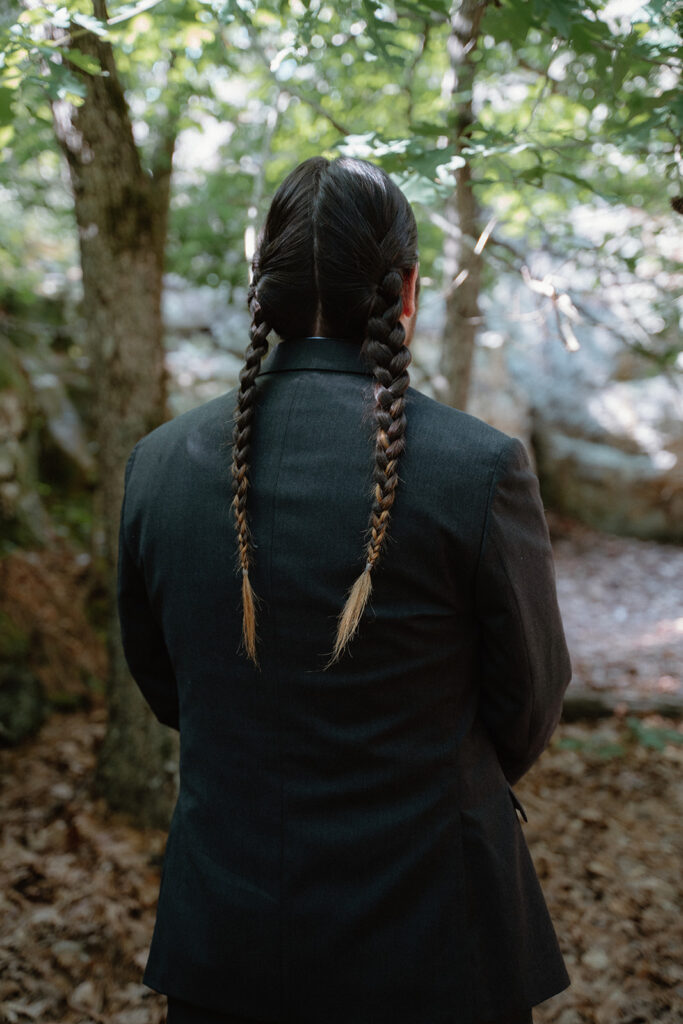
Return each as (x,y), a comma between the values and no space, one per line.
(409,282)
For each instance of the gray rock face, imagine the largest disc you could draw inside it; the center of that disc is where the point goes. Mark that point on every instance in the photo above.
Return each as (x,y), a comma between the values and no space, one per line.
(496,397)
(607,433)
(62,421)
(206,336)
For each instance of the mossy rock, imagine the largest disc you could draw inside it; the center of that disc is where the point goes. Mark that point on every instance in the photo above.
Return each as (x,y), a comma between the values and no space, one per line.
(12,376)
(15,642)
(23,705)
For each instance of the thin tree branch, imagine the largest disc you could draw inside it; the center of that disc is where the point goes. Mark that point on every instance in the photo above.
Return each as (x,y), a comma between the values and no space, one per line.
(411,68)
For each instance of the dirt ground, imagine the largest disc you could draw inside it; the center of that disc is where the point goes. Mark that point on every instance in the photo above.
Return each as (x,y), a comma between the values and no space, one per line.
(78,886)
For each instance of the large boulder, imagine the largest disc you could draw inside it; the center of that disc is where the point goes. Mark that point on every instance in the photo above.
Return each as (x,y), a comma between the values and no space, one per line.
(495,395)
(206,333)
(613,456)
(65,447)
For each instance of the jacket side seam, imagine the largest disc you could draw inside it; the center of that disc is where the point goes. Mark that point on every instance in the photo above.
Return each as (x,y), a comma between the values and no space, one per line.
(529,671)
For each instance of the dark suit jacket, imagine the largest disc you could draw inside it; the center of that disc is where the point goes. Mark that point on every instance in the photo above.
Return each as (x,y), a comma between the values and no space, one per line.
(345,846)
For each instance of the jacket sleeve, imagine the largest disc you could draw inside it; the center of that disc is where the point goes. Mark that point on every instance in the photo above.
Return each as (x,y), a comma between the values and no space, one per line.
(143,640)
(525,666)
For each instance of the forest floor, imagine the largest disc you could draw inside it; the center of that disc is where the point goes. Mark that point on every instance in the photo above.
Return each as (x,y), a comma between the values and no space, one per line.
(78,885)
(622,607)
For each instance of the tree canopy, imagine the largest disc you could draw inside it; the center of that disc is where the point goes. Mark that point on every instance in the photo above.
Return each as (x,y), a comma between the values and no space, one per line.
(573,103)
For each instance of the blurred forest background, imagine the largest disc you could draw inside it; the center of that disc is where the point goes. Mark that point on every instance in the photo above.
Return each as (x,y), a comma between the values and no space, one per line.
(540,142)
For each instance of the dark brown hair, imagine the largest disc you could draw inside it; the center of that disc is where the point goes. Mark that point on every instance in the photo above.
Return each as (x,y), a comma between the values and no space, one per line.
(337,242)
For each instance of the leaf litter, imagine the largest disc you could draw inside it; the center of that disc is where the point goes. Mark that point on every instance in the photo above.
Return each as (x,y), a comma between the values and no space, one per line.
(79,884)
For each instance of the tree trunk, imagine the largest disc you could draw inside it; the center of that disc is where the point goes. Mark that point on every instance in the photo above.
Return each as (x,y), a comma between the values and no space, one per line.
(121,211)
(462,265)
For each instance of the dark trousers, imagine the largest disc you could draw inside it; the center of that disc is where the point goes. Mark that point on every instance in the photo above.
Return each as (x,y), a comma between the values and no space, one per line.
(180,1012)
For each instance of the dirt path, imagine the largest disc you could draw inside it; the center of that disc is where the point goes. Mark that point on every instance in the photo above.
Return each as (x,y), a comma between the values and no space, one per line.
(78,887)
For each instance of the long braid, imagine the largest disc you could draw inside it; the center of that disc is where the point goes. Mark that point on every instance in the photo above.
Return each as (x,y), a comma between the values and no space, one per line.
(241,438)
(390,357)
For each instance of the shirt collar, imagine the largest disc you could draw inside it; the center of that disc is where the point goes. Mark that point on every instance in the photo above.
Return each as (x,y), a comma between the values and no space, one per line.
(340,355)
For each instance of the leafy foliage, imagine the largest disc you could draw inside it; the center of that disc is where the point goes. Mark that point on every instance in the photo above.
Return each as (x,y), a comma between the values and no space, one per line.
(574,104)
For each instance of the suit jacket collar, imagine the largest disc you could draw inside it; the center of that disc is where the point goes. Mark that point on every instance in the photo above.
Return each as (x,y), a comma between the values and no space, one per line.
(340,355)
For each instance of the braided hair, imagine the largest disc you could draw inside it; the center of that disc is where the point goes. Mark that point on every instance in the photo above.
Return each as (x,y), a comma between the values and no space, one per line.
(241,443)
(337,242)
(389,356)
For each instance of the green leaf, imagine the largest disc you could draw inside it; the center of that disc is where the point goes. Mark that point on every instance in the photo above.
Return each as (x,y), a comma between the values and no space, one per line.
(84,61)
(419,189)
(582,183)
(654,737)
(6,111)
(62,84)
(558,19)
(93,25)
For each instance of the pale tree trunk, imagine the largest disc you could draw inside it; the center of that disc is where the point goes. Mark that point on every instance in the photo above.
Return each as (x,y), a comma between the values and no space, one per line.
(121,211)
(462,266)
